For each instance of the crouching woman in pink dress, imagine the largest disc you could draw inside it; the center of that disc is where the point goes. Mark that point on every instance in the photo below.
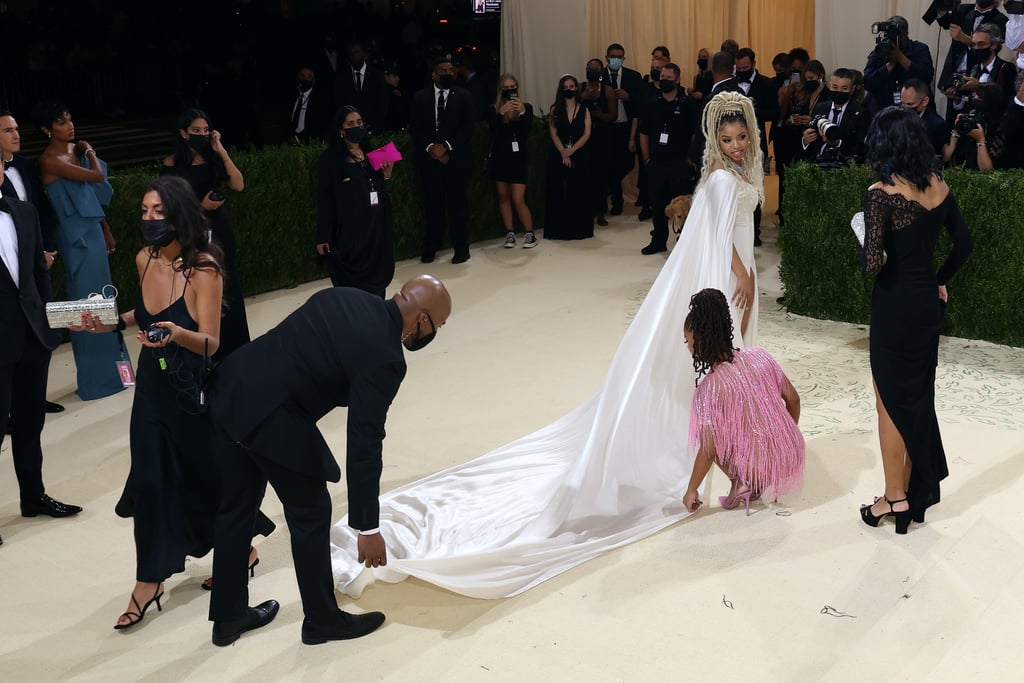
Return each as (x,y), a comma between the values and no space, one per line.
(744,413)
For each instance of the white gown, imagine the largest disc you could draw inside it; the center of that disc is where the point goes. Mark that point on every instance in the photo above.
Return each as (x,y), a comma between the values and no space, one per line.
(610,472)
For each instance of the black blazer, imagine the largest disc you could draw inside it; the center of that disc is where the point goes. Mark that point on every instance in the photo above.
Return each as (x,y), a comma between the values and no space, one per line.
(766,104)
(25,304)
(963,16)
(319,112)
(1012,130)
(34,190)
(340,348)
(633,83)
(372,101)
(728,85)
(456,131)
(937,128)
(853,126)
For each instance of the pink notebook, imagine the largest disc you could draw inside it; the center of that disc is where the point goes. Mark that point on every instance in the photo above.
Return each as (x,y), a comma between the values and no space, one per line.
(386,153)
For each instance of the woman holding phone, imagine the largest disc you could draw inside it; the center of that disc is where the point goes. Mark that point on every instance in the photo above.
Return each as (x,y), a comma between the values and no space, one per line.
(511,120)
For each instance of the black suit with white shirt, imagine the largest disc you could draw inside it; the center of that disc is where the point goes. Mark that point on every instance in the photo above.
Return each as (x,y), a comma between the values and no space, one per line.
(853,124)
(370,97)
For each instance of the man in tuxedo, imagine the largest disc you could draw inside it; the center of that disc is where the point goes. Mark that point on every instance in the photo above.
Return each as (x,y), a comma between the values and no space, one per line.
(886,72)
(310,114)
(20,180)
(361,85)
(987,67)
(627,84)
(965,20)
(916,96)
(343,347)
(25,347)
(441,126)
(765,95)
(847,114)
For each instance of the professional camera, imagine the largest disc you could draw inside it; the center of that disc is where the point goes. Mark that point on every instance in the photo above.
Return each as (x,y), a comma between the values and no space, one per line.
(1014,6)
(826,129)
(887,35)
(941,10)
(969,121)
(959,81)
(156,334)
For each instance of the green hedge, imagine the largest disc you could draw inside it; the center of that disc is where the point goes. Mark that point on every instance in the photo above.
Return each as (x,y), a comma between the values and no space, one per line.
(274,218)
(822,277)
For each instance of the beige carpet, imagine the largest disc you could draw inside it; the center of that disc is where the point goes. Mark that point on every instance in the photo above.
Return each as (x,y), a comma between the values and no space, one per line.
(798,591)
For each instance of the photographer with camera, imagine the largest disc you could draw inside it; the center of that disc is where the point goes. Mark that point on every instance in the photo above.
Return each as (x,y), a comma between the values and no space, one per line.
(981,125)
(917,96)
(895,60)
(987,67)
(962,22)
(838,127)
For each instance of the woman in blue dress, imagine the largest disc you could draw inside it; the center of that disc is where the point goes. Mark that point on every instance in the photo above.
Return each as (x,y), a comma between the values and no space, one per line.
(75,181)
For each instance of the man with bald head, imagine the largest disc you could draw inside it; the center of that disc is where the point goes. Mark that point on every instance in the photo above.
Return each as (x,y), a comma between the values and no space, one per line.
(343,347)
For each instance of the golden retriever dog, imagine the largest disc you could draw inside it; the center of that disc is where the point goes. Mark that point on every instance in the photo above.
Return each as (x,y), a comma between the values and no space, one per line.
(677,211)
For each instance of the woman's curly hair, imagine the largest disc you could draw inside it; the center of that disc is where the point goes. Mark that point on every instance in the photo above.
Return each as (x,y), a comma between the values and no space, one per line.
(710,323)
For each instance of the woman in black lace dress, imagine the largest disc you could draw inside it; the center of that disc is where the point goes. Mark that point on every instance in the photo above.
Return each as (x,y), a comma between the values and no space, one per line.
(904,214)
(201,159)
(567,203)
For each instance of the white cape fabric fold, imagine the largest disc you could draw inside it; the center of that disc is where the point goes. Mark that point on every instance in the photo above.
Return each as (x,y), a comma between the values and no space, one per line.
(610,472)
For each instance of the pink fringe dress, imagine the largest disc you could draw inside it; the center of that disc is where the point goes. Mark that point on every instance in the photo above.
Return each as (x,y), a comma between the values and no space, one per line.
(739,407)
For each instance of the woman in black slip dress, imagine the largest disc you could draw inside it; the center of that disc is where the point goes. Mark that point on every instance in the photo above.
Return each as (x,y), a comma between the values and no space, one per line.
(201,159)
(903,216)
(173,488)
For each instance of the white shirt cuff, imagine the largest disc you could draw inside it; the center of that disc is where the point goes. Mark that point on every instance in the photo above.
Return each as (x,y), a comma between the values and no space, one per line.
(369,532)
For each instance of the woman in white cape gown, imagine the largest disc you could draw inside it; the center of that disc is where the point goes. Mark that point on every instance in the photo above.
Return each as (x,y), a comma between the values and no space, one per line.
(610,472)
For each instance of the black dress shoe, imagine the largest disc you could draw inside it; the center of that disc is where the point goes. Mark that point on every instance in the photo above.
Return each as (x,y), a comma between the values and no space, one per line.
(460,258)
(48,506)
(345,627)
(645,214)
(227,632)
(427,258)
(52,407)
(757,241)
(653,248)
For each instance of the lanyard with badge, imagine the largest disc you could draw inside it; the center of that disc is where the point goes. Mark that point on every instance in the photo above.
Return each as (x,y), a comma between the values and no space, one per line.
(663,138)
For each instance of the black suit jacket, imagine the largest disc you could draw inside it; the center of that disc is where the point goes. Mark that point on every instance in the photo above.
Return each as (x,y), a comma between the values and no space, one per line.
(34,189)
(372,101)
(633,83)
(766,105)
(728,85)
(853,127)
(456,131)
(340,348)
(936,127)
(319,113)
(964,16)
(24,305)
(1012,130)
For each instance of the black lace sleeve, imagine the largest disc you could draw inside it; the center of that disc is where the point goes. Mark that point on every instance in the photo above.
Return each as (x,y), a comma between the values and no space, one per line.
(962,243)
(877,217)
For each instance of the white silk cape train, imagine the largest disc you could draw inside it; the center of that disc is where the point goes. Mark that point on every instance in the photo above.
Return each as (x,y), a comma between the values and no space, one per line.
(610,472)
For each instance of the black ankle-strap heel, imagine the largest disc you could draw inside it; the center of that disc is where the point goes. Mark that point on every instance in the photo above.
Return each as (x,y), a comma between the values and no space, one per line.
(902,517)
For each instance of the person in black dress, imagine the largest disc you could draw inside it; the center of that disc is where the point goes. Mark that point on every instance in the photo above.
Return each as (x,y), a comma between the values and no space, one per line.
(567,214)
(600,100)
(201,159)
(173,488)
(903,215)
(511,120)
(353,218)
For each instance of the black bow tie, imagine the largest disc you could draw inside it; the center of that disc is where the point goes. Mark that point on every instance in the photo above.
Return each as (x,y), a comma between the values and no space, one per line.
(748,79)
(9,164)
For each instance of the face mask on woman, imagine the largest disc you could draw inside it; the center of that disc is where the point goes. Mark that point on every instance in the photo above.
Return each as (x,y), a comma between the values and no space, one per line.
(356,134)
(569,94)
(157,233)
(199,143)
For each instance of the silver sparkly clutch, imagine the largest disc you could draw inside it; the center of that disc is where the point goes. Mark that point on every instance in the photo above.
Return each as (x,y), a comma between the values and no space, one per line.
(857,224)
(65,313)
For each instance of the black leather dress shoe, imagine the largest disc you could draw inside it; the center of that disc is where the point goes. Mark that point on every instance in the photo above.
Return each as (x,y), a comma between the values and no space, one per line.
(427,258)
(47,506)
(653,248)
(460,258)
(345,627)
(52,407)
(227,632)
(645,214)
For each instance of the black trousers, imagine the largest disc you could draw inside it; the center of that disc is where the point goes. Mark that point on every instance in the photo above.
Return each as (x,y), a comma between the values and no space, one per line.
(445,188)
(307,509)
(620,161)
(666,180)
(23,400)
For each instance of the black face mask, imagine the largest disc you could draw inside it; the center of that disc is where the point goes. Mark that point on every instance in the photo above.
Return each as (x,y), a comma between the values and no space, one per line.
(985,4)
(356,135)
(569,94)
(667,85)
(419,342)
(811,86)
(655,74)
(702,64)
(744,76)
(445,82)
(593,74)
(840,98)
(305,86)
(981,54)
(157,233)
(199,143)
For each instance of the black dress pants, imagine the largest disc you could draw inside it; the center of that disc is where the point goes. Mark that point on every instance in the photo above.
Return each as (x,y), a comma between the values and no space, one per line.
(620,161)
(23,400)
(307,509)
(666,180)
(445,187)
